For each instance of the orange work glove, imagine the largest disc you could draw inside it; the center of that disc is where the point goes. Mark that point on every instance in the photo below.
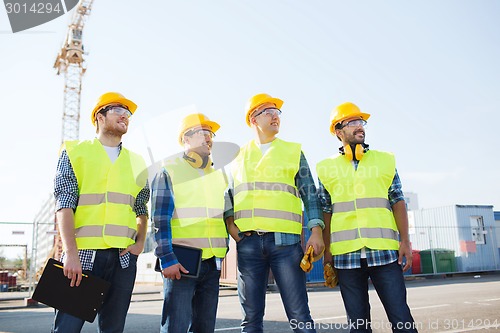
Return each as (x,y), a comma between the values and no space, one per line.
(307,260)
(330,275)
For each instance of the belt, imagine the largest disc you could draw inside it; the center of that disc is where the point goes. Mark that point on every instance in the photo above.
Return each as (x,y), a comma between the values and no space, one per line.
(258,233)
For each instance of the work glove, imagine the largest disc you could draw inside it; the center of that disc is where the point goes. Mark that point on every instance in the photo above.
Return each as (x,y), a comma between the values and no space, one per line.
(330,275)
(308,259)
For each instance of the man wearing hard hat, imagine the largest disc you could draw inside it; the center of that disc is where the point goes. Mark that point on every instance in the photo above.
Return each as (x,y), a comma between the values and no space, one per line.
(101,193)
(270,177)
(193,218)
(366,223)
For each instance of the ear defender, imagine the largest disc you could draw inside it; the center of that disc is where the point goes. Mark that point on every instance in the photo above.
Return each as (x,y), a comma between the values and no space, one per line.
(359,151)
(196,161)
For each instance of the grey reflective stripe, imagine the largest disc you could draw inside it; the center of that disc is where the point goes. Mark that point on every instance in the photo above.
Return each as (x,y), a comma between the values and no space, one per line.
(267,186)
(373,203)
(348,206)
(197,212)
(89,231)
(277,214)
(111,230)
(346,235)
(121,198)
(201,242)
(379,233)
(99,198)
(342,207)
(91,199)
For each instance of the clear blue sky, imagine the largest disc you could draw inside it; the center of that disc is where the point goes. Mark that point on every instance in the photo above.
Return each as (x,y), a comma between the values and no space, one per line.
(427,71)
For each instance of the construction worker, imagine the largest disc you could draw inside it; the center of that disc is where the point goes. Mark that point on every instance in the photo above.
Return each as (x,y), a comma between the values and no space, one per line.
(269,178)
(193,218)
(366,223)
(101,193)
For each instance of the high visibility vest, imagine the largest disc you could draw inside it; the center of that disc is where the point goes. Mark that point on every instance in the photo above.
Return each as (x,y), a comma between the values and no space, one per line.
(199,206)
(104,216)
(362,215)
(265,194)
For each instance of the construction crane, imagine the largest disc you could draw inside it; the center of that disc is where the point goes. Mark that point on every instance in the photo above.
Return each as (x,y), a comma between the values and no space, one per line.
(71,63)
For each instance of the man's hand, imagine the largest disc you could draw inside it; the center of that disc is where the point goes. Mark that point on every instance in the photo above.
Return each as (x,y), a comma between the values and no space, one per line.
(135,248)
(174,272)
(405,251)
(73,269)
(316,241)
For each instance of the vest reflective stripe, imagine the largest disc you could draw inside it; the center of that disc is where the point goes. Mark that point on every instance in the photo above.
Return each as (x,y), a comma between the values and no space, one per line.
(201,242)
(197,212)
(267,186)
(265,194)
(110,230)
(341,207)
(267,213)
(199,205)
(107,193)
(99,198)
(362,216)
(346,235)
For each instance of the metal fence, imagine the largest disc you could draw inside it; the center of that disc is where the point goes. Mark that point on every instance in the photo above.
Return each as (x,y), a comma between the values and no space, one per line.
(443,250)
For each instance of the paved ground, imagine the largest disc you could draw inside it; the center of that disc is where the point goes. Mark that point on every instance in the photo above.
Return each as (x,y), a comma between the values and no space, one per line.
(452,304)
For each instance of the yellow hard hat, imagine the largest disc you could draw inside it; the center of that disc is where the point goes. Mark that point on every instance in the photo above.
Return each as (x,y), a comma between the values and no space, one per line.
(260,99)
(111,98)
(193,120)
(345,111)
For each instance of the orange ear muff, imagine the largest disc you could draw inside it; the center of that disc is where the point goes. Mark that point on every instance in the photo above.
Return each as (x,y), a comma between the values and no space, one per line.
(359,151)
(196,161)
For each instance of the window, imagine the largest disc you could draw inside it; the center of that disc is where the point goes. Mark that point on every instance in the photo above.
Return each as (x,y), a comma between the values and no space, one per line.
(477,229)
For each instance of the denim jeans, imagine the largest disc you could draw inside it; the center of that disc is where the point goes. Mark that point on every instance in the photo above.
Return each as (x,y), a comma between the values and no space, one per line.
(111,317)
(190,304)
(256,255)
(389,283)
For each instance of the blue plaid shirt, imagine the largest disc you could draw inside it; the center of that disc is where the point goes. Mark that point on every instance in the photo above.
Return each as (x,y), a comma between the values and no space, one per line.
(307,189)
(373,257)
(66,194)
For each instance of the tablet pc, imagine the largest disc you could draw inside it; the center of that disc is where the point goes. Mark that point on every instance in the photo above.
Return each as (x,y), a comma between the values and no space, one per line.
(83,301)
(189,257)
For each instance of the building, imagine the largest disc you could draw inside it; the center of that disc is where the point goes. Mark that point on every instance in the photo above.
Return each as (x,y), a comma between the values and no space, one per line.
(457,238)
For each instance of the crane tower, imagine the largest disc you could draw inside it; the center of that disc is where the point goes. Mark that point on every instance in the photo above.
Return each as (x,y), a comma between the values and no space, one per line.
(71,63)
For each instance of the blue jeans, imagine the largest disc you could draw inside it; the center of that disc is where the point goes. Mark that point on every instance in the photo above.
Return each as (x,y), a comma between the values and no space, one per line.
(111,317)
(190,304)
(256,255)
(389,283)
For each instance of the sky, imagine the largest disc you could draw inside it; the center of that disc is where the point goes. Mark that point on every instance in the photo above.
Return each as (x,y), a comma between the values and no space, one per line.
(428,72)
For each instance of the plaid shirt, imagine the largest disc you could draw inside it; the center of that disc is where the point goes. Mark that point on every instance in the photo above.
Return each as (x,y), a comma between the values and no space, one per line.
(307,189)
(66,194)
(373,257)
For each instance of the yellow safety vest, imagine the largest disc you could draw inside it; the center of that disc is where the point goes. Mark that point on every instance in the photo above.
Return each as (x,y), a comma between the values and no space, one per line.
(104,217)
(265,195)
(199,206)
(362,215)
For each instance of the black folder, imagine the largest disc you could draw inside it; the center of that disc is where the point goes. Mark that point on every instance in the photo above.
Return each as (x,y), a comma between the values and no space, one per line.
(189,257)
(83,301)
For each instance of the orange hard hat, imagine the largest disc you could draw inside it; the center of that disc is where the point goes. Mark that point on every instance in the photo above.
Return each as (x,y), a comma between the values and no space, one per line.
(112,98)
(260,99)
(193,120)
(345,111)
